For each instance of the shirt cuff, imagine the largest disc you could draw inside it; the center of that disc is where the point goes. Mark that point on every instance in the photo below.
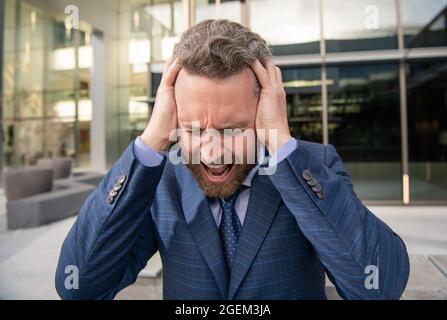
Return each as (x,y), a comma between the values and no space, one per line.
(283,152)
(146,155)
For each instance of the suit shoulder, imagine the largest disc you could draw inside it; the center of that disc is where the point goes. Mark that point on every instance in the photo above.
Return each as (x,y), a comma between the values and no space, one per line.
(312,146)
(317,150)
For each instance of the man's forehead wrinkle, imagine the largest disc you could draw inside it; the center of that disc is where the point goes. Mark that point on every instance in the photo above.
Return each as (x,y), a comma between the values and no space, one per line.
(219,115)
(188,79)
(219,105)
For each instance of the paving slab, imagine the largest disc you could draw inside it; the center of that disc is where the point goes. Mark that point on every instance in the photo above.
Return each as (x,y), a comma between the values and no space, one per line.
(440,261)
(144,288)
(426,282)
(28,258)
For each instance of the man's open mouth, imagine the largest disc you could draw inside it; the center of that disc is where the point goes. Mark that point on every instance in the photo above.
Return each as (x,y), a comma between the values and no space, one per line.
(217,173)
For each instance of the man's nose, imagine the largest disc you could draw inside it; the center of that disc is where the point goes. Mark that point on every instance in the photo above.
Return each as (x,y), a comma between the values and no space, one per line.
(211,147)
(211,153)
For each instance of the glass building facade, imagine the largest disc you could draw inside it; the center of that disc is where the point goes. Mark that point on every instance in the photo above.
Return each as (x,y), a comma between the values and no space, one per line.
(46,103)
(368,76)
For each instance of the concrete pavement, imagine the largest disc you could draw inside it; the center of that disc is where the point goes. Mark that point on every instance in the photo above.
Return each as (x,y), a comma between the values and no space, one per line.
(28,257)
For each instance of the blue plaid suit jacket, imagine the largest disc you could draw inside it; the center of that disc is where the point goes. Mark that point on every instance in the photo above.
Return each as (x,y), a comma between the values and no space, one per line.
(290,237)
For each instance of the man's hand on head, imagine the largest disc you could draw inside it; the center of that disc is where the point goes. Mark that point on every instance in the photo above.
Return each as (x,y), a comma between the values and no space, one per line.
(164,116)
(271,114)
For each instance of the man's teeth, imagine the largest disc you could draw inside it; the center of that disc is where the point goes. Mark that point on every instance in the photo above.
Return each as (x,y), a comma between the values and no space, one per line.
(217,169)
(216,166)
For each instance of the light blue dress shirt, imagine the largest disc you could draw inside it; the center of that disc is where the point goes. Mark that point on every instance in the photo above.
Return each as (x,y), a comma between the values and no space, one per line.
(150,158)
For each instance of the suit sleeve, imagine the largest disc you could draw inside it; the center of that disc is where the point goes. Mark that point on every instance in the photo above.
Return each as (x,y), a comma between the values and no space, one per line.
(363,257)
(113,237)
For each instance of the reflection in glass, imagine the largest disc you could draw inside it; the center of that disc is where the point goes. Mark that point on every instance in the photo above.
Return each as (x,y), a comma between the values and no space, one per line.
(364,126)
(357,25)
(295,29)
(427,128)
(165,21)
(60,141)
(44,85)
(28,140)
(225,9)
(424,23)
(303,95)
(151,30)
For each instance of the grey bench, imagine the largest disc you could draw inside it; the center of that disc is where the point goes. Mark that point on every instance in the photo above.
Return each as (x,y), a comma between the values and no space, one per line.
(47,207)
(65,200)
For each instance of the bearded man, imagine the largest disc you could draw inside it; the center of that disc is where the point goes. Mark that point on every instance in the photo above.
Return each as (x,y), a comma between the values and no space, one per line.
(246,211)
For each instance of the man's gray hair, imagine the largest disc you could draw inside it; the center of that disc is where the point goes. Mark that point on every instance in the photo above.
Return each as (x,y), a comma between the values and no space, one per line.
(219,48)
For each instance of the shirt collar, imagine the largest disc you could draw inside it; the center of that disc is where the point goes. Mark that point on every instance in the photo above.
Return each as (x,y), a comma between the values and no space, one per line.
(249,178)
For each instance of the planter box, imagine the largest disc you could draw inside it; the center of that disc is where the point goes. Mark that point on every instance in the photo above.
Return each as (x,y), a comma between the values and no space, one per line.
(61,167)
(23,183)
(49,207)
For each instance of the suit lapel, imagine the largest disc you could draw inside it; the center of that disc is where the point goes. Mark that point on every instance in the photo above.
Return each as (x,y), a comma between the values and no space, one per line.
(262,207)
(202,226)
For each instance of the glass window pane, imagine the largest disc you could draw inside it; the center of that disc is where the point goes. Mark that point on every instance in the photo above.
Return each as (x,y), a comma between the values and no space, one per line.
(9,70)
(364,126)
(165,21)
(227,9)
(357,25)
(9,26)
(61,105)
(293,30)
(60,138)
(29,103)
(31,72)
(8,107)
(303,94)
(149,33)
(427,128)
(28,140)
(424,23)
(32,27)
(8,142)
(43,86)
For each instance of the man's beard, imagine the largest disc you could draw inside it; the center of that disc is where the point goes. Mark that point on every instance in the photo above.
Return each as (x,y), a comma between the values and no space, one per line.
(221,190)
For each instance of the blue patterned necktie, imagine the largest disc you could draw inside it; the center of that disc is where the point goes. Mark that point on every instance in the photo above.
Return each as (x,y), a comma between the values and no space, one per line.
(230,227)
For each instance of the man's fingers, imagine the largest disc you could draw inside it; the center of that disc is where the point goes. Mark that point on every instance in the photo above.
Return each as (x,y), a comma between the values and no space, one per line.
(279,75)
(271,68)
(262,74)
(171,73)
(167,64)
